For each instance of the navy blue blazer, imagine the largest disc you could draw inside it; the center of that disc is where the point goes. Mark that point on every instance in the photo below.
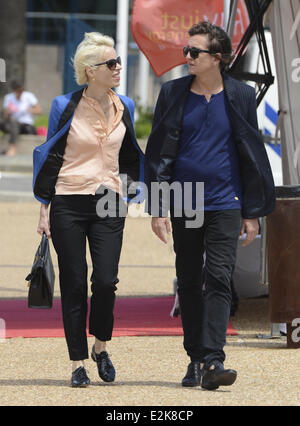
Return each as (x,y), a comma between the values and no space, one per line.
(257,180)
(48,157)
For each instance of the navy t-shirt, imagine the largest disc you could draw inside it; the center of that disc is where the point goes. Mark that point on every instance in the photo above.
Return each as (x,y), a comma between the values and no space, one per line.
(208,153)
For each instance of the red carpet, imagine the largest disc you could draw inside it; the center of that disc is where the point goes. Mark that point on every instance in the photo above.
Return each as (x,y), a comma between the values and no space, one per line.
(133,317)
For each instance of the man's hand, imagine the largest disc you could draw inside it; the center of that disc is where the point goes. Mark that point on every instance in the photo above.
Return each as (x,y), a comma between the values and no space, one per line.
(250,227)
(161,226)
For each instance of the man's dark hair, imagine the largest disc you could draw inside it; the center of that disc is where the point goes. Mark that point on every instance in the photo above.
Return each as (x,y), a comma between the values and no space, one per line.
(218,41)
(17,84)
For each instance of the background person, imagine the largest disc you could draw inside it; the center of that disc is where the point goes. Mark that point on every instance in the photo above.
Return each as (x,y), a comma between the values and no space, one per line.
(205,130)
(19,108)
(91,141)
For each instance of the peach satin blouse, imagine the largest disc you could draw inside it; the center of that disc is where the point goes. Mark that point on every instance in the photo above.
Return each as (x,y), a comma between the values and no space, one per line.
(91,156)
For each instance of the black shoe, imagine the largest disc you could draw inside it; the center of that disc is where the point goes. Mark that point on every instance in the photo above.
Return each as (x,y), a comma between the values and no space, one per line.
(212,379)
(193,375)
(79,378)
(106,369)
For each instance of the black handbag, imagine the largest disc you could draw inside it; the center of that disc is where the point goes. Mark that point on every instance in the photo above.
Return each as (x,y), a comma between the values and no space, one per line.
(41,278)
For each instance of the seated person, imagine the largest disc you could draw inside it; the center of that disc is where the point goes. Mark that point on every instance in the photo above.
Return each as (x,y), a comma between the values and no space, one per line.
(19,108)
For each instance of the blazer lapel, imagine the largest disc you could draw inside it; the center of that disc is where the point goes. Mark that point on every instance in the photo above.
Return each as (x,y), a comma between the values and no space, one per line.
(74,101)
(237,117)
(127,120)
(230,90)
(180,97)
(178,101)
(70,108)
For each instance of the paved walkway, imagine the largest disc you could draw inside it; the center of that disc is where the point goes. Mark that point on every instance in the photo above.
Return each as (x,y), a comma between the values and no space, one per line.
(149,369)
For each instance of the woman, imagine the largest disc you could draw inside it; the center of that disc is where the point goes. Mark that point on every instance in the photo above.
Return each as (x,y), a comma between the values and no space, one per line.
(90,144)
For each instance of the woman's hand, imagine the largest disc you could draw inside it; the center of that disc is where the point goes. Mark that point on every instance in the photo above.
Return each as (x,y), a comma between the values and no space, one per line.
(161,226)
(43,225)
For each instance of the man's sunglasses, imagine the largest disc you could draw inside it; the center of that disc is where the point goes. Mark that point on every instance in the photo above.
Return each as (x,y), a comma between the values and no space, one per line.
(111,63)
(194,51)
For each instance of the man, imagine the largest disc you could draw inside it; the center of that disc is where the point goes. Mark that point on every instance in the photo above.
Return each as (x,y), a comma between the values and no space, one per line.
(205,130)
(19,108)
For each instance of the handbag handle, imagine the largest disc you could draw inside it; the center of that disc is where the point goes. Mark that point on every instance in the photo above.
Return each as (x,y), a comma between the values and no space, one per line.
(44,245)
(39,257)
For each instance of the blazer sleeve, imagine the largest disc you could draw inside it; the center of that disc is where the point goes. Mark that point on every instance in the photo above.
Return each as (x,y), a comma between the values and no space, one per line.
(159,108)
(129,104)
(153,148)
(53,121)
(131,107)
(263,164)
(153,145)
(152,154)
(252,109)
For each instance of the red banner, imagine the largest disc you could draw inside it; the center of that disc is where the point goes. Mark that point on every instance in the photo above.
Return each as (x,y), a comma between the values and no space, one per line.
(160,27)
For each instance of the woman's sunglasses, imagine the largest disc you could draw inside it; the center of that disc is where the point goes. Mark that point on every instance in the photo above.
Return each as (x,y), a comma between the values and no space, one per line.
(111,63)
(194,51)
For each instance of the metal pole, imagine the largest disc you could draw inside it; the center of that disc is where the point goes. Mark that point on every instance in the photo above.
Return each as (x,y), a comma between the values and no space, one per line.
(176,72)
(232,17)
(226,13)
(143,80)
(122,42)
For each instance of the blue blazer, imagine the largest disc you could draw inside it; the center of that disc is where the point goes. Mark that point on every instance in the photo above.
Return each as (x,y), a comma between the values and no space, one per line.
(258,198)
(48,157)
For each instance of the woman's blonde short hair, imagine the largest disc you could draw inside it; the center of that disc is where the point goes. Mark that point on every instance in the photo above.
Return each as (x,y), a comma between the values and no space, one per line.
(89,52)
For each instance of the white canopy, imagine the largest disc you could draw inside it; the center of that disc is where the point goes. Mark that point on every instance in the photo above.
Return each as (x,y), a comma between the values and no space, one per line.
(284,21)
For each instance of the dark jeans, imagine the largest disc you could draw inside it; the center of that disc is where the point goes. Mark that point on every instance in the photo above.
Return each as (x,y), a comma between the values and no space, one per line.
(14,129)
(73,222)
(205,319)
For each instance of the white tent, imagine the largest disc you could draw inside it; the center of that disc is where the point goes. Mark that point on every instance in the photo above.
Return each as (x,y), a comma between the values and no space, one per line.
(284,19)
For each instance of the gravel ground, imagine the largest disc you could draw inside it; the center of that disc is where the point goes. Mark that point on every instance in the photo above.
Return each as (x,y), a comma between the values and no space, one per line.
(149,369)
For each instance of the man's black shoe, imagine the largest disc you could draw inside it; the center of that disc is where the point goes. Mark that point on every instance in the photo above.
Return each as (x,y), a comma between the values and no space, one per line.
(212,379)
(106,369)
(193,375)
(79,378)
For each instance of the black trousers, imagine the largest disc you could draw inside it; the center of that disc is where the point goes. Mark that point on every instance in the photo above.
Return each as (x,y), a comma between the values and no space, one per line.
(73,222)
(205,318)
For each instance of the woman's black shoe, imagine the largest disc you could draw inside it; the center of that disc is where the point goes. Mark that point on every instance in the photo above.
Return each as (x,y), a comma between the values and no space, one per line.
(79,378)
(106,369)
(193,375)
(212,379)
